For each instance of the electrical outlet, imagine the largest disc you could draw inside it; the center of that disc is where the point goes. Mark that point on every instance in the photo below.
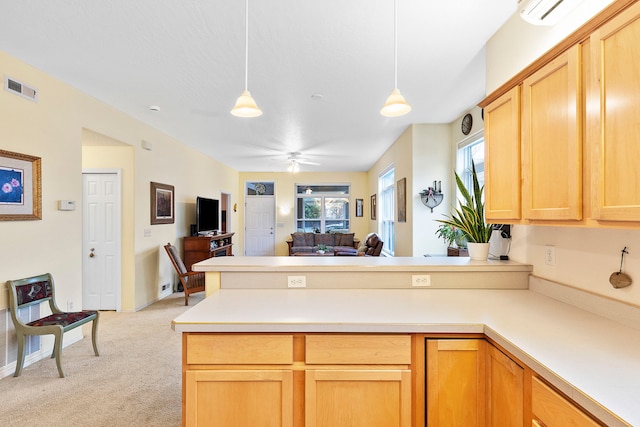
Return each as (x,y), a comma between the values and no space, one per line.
(550,255)
(420,280)
(297,281)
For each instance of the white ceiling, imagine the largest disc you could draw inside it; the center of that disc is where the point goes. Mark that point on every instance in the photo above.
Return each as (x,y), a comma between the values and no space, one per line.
(187,57)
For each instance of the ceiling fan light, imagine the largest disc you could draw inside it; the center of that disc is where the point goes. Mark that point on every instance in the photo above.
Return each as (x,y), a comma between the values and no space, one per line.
(293,166)
(246,106)
(396,105)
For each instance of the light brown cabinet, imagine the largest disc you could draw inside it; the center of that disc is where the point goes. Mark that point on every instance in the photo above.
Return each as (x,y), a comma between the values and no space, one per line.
(579,143)
(470,382)
(456,382)
(502,157)
(552,140)
(550,409)
(379,380)
(285,380)
(358,380)
(238,380)
(505,390)
(613,117)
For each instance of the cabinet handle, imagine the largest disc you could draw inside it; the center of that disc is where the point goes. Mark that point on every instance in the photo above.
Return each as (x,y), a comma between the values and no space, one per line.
(536,423)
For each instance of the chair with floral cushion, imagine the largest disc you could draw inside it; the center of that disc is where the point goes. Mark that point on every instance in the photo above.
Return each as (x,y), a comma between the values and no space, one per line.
(36,290)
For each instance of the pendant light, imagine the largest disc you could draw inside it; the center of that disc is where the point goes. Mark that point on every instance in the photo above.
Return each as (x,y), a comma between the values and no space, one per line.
(245,105)
(396,105)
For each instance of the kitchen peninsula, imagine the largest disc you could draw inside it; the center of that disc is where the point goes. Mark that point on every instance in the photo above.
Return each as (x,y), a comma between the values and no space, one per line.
(294,350)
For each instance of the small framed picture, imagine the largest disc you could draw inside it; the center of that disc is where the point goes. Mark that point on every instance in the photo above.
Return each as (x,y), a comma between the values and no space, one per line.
(359,207)
(162,204)
(20,187)
(401,190)
(373,207)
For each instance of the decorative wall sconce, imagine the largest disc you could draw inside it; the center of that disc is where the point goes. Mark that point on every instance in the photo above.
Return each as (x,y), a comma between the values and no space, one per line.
(432,196)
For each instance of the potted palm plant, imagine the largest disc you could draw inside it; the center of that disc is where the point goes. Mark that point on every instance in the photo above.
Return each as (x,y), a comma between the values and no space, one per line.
(469,218)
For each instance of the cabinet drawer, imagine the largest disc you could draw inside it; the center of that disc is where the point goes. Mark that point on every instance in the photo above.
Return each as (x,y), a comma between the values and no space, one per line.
(552,409)
(358,349)
(239,349)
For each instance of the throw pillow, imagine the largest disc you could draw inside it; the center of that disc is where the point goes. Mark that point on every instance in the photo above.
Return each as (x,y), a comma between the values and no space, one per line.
(299,239)
(326,239)
(346,239)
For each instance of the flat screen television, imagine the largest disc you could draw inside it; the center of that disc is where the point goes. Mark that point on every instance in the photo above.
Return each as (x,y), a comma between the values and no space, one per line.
(207,215)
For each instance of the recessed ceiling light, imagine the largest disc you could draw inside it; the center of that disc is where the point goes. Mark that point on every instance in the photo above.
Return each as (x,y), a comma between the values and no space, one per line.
(154,108)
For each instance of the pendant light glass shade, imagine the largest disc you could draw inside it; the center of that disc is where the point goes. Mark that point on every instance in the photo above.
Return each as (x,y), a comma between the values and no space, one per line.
(396,105)
(245,105)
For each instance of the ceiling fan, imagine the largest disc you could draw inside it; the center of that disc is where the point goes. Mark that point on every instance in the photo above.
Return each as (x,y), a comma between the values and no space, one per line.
(295,160)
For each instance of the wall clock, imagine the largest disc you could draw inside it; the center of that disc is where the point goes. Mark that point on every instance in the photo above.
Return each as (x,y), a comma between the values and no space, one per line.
(467,122)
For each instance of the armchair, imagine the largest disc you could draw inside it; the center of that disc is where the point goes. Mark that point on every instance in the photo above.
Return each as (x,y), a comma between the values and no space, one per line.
(192,281)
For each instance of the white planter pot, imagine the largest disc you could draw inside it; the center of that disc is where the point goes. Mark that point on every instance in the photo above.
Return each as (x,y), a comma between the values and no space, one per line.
(478,251)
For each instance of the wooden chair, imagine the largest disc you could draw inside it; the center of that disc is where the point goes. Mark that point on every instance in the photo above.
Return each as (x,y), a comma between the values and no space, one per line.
(35,290)
(192,281)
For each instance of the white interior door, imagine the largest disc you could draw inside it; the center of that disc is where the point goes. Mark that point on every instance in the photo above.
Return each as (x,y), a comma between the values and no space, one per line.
(259,232)
(101,251)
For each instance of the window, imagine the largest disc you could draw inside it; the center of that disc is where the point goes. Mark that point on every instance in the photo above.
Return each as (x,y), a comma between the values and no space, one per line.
(467,153)
(322,208)
(386,186)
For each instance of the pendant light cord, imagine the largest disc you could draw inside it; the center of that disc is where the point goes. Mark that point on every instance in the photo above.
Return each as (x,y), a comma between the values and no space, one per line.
(395,44)
(246,44)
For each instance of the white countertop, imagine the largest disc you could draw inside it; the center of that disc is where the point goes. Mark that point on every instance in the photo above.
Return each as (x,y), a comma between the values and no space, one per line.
(594,360)
(354,263)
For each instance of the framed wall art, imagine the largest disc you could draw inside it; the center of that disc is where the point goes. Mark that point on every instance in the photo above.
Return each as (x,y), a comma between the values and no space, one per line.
(162,204)
(359,207)
(373,207)
(20,187)
(402,200)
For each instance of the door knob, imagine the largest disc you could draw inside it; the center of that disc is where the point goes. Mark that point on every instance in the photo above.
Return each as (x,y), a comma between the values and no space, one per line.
(91,255)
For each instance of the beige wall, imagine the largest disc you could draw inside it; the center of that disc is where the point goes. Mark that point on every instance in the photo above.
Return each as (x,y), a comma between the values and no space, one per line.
(421,154)
(285,183)
(585,258)
(55,129)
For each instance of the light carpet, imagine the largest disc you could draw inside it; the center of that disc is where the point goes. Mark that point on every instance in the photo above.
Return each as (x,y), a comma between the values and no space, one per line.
(136,380)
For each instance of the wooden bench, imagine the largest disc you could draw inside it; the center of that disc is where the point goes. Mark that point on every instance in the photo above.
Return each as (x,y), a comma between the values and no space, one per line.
(36,290)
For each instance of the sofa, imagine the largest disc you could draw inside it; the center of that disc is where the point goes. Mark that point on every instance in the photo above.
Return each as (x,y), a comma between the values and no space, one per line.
(302,242)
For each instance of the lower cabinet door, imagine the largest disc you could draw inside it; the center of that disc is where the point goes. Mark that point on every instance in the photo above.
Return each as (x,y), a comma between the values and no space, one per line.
(239,398)
(505,390)
(456,382)
(358,398)
(550,409)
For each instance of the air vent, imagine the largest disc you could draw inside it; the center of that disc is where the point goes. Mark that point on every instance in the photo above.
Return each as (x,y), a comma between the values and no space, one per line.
(545,12)
(19,88)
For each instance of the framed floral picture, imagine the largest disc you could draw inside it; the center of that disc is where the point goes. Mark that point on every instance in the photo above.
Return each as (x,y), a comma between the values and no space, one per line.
(162,204)
(20,187)
(359,207)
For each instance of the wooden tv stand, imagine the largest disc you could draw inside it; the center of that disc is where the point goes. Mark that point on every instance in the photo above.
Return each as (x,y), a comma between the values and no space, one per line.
(199,248)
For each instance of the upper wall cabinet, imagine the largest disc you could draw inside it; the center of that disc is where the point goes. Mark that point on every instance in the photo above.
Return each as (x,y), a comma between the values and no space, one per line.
(614,118)
(502,157)
(576,159)
(552,140)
